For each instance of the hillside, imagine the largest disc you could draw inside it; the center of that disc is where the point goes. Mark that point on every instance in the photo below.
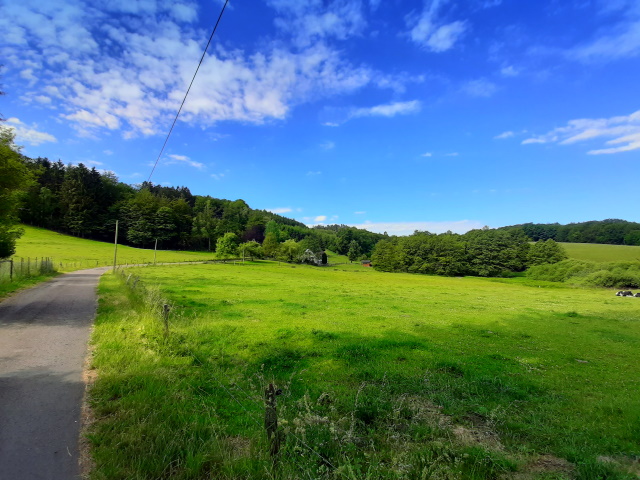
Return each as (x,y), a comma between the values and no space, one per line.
(602,253)
(72,253)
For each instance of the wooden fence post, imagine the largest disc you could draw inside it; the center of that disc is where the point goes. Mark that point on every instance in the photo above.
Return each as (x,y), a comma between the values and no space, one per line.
(11,270)
(165,316)
(271,420)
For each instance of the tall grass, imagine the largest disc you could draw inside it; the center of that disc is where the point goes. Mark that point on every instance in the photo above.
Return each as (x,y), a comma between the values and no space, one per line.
(383,376)
(72,253)
(593,274)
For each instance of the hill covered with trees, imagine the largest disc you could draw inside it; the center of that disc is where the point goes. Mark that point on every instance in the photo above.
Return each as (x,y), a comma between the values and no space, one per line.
(86,203)
(484,252)
(612,231)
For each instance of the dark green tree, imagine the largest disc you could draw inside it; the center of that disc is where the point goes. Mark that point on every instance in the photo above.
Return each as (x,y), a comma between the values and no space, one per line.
(14,179)
(270,245)
(227,245)
(354,251)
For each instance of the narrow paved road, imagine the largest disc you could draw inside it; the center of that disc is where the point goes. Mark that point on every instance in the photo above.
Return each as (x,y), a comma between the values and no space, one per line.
(43,342)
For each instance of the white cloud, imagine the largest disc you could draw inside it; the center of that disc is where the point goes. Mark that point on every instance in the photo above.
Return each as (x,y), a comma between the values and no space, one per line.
(427,154)
(509,71)
(504,135)
(480,88)
(107,152)
(328,145)
(407,228)
(29,133)
(279,210)
(622,42)
(310,21)
(623,131)
(452,154)
(388,110)
(359,213)
(435,35)
(320,218)
(313,174)
(183,160)
(104,74)
(217,176)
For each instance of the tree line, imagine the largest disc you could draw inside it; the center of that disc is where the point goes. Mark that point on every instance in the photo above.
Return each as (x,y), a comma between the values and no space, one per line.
(85,202)
(611,231)
(483,252)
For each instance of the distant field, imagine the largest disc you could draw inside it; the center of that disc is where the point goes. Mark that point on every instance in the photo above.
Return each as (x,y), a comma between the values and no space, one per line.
(75,253)
(602,253)
(383,375)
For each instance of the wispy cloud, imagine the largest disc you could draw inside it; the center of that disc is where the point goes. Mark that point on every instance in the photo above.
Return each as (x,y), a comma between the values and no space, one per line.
(433,33)
(388,109)
(480,88)
(279,210)
(452,154)
(504,135)
(320,218)
(308,22)
(427,154)
(29,133)
(328,145)
(623,41)
(623,131)
(217,176)
(313,174)
(183,160)
(359,213)
(407,228)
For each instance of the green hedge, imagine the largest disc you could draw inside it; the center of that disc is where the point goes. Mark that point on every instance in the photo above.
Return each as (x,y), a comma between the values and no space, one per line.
(594,274)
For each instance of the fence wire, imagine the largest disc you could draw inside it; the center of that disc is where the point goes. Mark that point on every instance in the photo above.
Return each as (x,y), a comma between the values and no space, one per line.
(134,283)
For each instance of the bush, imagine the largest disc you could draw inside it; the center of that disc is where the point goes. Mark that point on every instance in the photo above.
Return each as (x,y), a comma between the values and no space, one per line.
(593,274)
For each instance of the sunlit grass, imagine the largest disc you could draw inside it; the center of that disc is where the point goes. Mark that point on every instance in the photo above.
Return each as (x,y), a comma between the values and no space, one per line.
(380,374)
(72,253)
(602,253)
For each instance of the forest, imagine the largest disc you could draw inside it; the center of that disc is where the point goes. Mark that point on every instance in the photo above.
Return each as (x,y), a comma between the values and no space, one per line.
(483,252)
(612,231)
(86,203)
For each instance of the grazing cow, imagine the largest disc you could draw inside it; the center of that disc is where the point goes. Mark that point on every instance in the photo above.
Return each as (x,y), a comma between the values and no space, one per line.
(624,293)
(637,294)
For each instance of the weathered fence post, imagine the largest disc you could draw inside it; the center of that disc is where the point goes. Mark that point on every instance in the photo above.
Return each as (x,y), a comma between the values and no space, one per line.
(271,420)
(11,270)
(165,316)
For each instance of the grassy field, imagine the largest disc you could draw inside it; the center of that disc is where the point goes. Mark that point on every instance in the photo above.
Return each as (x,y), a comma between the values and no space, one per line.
(72,253)
(382,375)
(602,253)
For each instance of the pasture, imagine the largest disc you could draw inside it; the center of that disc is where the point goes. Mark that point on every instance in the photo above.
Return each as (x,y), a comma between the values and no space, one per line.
(602,253)
(382,376)
(73,253)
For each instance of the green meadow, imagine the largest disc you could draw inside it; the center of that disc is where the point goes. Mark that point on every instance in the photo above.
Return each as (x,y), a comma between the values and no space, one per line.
(602,253)
(382,375)
(73,253)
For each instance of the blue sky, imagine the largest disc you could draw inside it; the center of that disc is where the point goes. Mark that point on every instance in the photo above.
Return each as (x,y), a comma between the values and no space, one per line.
(395,115)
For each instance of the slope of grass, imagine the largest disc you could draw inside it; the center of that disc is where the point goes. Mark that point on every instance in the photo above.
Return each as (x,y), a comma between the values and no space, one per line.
(602,253)
(383,376)
(72,253)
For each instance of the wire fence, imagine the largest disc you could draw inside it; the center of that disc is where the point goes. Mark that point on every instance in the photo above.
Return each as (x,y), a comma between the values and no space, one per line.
(17,269)
(267,403)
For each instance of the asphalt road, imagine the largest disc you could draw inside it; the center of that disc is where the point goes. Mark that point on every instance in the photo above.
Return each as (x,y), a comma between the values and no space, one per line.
(43,343)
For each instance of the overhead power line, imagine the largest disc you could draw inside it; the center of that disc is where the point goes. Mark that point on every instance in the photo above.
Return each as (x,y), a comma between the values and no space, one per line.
(188,90)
